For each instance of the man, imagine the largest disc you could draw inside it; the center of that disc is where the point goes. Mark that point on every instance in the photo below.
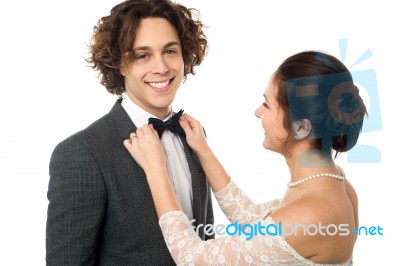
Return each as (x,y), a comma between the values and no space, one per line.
(100,207)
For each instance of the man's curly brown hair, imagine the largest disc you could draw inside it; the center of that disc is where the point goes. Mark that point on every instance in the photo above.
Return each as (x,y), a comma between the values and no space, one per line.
(113,37)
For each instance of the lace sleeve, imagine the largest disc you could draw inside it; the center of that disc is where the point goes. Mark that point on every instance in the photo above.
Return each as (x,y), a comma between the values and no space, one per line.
(238,207)
(187,248)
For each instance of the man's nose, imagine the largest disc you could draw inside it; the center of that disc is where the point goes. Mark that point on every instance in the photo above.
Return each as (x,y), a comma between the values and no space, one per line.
(160,66)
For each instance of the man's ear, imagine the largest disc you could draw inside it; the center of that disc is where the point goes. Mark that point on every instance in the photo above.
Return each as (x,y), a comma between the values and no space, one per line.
(122,71)
(302,129)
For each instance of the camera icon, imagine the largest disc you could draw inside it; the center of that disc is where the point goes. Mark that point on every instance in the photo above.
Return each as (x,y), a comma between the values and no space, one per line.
(362,153)
(342,107)
(365,79)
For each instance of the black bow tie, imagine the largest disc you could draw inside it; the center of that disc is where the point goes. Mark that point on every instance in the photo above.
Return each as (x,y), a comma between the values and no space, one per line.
(171,124)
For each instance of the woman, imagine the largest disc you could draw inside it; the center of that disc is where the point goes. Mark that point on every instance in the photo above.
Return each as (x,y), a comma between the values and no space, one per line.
(311,111)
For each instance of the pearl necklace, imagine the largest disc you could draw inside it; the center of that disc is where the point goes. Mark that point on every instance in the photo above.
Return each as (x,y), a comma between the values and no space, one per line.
(308,178)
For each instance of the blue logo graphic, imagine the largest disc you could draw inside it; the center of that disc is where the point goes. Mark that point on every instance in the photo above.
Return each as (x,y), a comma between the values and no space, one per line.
(343,115)
(367,79)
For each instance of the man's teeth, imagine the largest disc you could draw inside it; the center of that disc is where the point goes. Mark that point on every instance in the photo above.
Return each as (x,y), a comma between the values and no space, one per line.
(159,85)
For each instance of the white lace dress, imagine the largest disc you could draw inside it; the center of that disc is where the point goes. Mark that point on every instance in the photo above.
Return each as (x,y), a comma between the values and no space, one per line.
(188,249)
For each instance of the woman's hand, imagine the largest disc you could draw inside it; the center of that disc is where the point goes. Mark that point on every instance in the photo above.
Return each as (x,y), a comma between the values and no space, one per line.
(196,139)
(145,147)
(194,134)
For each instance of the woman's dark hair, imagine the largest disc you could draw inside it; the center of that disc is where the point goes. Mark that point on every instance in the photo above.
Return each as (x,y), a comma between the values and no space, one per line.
(114,35)
(317,86)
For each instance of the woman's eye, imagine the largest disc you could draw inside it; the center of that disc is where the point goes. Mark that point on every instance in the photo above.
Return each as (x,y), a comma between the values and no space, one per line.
(265,105)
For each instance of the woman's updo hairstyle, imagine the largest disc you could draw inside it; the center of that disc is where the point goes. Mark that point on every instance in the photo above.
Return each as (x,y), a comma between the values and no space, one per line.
(317,86)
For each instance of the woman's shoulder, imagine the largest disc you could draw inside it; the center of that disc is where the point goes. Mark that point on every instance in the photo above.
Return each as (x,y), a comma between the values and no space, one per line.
(319,223)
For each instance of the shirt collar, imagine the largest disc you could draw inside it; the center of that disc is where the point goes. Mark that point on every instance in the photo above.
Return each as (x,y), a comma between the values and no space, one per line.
(138,116)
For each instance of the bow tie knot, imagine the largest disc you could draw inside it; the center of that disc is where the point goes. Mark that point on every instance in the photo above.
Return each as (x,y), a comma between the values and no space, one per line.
(171,124)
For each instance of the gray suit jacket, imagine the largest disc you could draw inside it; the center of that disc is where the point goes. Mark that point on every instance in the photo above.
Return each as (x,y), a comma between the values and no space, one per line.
(100,209)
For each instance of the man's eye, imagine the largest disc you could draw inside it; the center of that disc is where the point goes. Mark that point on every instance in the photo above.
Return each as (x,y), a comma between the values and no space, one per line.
(170,51)
(142,56)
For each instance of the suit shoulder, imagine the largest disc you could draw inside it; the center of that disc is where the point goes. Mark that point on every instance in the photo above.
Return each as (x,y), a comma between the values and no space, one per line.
(81,139)
(96,128)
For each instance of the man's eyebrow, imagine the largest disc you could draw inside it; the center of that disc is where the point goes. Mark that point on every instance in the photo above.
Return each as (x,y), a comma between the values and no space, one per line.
(172,44)
(143,48)
(148,48)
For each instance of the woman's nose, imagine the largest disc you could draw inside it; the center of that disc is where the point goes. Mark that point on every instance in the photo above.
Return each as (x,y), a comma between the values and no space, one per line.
(258,112)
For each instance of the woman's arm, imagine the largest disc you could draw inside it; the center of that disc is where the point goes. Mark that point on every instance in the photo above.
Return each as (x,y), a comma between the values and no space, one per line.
(215,172)
(240,248)
(235,204)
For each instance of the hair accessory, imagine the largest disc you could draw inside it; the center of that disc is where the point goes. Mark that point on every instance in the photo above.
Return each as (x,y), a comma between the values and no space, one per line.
(308,178)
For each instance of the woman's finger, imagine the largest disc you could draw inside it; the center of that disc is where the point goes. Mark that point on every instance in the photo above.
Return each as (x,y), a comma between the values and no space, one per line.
(154,131)
(139,132)
(185,124)
(193,122)
(128,144)
(133,136)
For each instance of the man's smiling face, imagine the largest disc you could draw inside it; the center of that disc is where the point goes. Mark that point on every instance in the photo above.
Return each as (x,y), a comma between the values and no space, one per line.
(155,73)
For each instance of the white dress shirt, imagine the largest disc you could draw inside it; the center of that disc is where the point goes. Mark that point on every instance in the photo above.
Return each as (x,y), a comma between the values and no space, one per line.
(177,165)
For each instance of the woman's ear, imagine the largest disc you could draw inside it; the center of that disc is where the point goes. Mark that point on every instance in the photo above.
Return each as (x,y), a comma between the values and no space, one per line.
(301,129)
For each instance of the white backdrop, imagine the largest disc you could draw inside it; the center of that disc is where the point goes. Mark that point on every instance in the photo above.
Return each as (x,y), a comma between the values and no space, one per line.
(48,92)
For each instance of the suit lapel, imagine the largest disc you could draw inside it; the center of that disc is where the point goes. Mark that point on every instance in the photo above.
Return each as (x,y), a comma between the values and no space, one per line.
(123,122)
(197,181)
(126,167)
(130,174)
